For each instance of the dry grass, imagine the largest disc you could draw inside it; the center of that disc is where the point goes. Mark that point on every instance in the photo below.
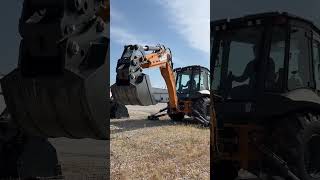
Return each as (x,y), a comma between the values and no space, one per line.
(142,149)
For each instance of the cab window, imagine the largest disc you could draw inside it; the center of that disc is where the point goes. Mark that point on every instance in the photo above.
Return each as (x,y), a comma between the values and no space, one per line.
(275,63)
(298,74)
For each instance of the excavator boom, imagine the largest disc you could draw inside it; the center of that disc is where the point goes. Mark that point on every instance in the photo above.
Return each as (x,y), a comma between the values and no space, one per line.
(132,86)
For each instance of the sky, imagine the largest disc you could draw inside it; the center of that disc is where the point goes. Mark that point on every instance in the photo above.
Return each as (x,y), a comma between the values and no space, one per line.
(183,26)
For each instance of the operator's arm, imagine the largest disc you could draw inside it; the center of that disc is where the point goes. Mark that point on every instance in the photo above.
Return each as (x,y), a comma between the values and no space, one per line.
(187,84)
(246,73)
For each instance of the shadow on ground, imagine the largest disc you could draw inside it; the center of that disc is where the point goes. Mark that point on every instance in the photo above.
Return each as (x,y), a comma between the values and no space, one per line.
(122,125)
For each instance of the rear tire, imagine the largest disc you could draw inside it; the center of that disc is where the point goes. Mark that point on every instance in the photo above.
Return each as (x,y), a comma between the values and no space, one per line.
(201,106)
(297,140)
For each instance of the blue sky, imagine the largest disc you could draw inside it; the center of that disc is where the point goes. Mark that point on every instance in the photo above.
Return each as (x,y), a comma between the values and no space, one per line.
(183,26)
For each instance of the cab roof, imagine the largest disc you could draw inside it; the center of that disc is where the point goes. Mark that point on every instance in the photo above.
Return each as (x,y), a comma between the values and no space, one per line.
(191,67)
(261,18)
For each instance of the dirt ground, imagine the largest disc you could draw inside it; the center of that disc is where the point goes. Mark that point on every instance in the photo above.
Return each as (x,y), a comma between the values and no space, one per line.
(164,149)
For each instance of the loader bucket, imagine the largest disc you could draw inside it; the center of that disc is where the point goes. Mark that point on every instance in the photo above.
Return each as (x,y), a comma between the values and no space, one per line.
(60,87)
(134,93)
(70,105)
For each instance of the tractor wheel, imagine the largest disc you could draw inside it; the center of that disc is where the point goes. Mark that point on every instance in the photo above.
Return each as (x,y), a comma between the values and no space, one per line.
(297,140)
(200,110)
(176,117)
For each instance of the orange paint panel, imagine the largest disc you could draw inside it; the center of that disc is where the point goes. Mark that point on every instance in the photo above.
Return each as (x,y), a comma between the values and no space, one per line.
(154,60)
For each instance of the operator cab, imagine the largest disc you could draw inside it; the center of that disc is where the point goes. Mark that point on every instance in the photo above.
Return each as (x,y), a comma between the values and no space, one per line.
(191,80)
(261,59)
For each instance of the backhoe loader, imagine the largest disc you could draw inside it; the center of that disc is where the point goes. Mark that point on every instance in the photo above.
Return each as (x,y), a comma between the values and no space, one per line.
(265,89)
(188,87)
(60,87)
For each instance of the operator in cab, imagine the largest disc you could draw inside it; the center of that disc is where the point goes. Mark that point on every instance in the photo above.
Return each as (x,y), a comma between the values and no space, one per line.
(252,68)
(191,84)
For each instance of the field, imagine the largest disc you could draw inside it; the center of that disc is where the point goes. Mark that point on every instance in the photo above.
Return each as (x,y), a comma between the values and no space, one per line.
(164,149)
(140,149)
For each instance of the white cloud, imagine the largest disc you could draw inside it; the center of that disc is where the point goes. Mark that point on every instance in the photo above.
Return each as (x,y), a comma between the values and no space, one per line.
(115,15)
(122,36)
(177,62)
(119,32)
(191,19)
